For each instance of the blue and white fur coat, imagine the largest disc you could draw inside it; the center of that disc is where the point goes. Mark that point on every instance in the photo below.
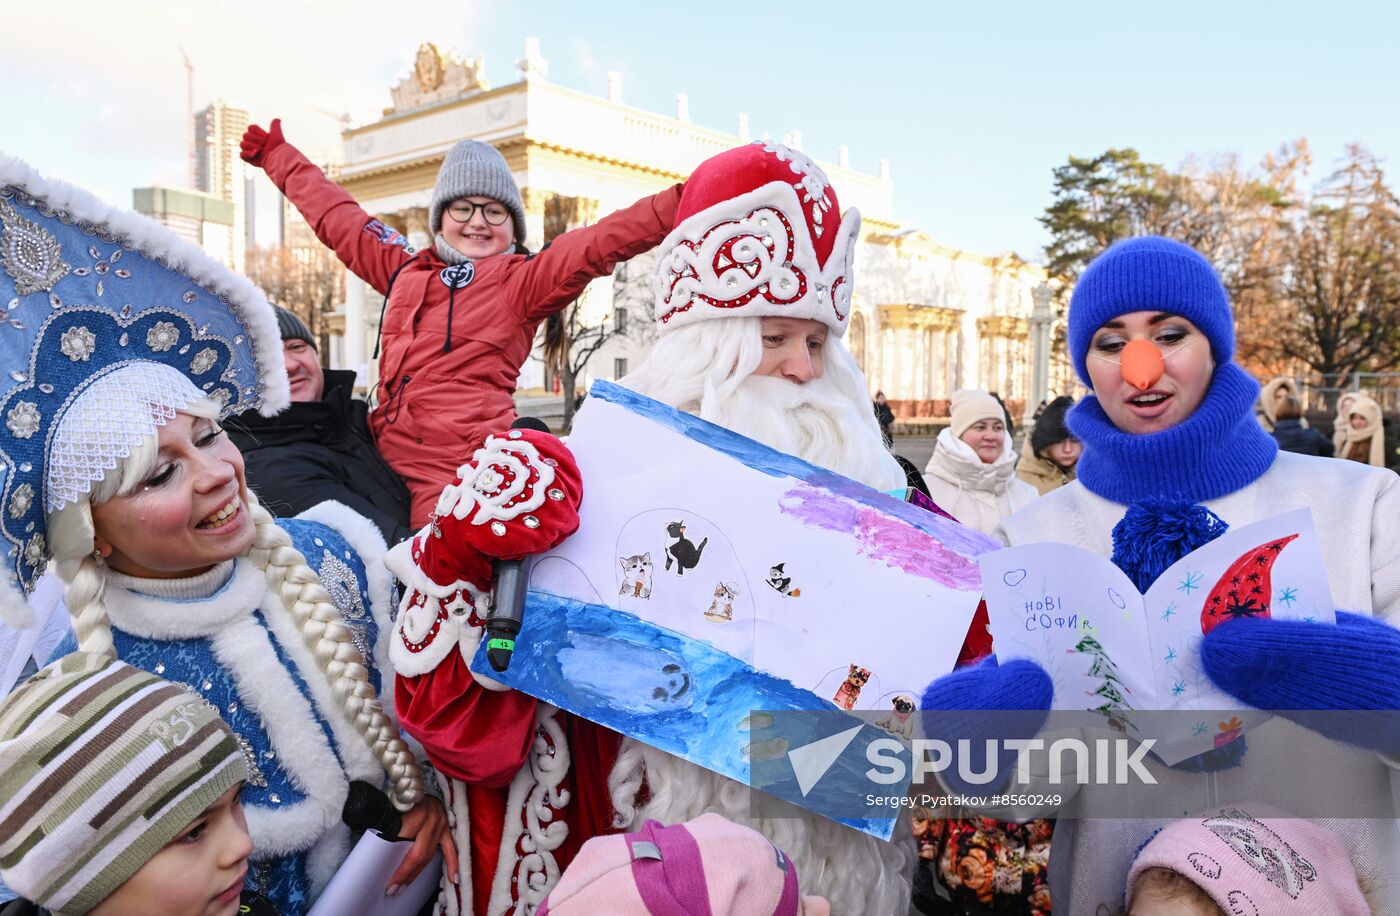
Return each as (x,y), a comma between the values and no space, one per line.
(253,666)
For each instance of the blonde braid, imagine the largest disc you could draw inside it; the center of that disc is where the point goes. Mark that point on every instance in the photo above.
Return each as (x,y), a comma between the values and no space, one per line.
(70,532)
(329,640)
(83,596)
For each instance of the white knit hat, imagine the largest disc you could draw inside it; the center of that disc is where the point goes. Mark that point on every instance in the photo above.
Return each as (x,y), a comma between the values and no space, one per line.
(971,405)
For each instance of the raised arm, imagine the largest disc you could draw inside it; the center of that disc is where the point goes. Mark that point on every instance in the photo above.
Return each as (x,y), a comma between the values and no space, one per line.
(553,278)
(372,250)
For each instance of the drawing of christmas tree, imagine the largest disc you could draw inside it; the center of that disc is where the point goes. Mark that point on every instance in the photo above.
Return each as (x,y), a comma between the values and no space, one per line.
(1115,706)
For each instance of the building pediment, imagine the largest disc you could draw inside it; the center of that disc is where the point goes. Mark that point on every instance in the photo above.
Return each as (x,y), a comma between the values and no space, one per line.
(437,77)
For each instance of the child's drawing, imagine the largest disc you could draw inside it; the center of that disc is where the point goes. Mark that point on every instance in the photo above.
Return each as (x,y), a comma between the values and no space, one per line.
(849,691)
(782,582)
(636,575)
(722,608)
(685,554)
(1245,588)
(900,721)
(665,617)
(1113,651)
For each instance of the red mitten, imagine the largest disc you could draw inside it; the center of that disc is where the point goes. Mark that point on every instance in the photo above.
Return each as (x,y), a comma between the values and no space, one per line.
(257,143)
(519,496)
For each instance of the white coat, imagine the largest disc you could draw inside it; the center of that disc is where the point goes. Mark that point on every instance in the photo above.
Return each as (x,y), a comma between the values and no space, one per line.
(1356,510)
(978,495)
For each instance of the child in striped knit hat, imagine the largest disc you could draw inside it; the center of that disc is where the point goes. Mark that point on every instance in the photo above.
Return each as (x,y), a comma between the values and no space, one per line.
(119,795)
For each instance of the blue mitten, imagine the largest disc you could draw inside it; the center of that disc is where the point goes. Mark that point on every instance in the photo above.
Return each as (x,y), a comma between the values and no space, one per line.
(986,701)
(1341,681)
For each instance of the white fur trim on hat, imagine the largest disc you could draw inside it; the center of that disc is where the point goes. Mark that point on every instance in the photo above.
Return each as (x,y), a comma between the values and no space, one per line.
(752,256)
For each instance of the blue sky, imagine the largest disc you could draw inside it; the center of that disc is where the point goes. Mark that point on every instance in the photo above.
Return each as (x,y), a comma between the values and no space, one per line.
(973,104)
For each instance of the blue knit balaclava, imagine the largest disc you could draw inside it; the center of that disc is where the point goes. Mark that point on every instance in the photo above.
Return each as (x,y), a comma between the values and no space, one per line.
(1218,449)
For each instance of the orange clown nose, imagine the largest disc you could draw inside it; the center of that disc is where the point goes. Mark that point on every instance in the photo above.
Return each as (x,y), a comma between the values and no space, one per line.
(1141,364)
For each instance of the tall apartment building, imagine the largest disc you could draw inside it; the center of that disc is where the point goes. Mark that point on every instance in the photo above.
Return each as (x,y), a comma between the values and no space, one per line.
(218,171)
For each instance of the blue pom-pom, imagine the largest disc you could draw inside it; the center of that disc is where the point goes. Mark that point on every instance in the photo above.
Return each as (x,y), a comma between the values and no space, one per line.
(1155,533)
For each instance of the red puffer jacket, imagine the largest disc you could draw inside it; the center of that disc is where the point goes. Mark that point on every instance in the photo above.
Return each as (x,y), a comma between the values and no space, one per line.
(456,337)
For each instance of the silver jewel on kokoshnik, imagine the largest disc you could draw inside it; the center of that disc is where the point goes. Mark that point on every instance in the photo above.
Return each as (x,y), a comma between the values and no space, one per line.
(457,276)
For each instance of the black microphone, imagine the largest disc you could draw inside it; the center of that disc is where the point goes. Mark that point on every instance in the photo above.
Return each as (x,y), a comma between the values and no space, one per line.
(368,808)
(508,598)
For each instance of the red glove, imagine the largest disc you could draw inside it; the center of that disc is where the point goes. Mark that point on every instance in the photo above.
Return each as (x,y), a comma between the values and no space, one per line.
(519,496)
(257,143)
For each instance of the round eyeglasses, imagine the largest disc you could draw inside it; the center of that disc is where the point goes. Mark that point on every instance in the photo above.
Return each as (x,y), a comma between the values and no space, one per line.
(463,210)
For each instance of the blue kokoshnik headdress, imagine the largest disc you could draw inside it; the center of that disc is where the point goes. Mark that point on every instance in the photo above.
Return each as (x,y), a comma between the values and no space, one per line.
(109,324)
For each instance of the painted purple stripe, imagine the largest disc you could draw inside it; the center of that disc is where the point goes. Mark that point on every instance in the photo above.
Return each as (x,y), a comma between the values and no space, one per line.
(888,540)
(774,463)
(675,884)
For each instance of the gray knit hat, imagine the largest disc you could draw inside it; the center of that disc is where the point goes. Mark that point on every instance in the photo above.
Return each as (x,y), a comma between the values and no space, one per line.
(476,169)
(101,766)
(291,327)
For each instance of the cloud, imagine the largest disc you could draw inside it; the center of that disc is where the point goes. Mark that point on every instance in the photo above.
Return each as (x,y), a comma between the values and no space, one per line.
(105,104)
(584,57)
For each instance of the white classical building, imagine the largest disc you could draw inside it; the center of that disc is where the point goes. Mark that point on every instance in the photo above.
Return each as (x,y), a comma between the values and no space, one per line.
(927,319)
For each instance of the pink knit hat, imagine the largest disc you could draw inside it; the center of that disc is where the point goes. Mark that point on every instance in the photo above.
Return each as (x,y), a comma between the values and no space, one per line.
(705,867)
(1269,865)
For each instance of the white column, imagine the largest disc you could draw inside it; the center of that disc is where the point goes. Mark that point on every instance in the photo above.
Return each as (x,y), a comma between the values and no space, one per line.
(355,327)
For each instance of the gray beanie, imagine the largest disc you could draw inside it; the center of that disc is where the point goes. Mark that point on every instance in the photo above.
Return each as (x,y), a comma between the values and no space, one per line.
(476,169)
(291,327)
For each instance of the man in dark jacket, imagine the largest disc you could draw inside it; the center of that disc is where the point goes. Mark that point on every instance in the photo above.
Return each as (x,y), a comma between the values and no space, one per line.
(319,448)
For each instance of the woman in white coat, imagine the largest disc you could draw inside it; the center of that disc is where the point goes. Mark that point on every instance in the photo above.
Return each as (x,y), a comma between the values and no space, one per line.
(972,473)
(1172,457)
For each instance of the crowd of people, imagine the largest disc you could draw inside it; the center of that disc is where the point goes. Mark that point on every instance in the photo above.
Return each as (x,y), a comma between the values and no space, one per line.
(275,592)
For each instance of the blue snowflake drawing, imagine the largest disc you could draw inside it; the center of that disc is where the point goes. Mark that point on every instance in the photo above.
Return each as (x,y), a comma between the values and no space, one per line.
(1169,612)
(1178,688)
(1190,583)
(1310,619)
(1199,729)
(1288,596)
(1171,655)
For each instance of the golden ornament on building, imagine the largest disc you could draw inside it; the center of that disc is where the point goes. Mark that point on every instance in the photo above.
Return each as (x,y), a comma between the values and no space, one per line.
(428,67)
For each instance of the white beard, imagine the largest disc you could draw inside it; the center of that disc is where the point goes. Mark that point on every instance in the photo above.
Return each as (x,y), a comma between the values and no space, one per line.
(813,421)
(828,422)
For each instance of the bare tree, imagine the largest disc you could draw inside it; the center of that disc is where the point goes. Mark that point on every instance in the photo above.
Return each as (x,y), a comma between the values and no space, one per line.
(305,280)
(572,337)
(1342,282)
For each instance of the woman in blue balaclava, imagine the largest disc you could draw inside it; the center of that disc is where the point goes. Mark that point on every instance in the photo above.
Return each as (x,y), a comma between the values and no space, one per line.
(1173,456)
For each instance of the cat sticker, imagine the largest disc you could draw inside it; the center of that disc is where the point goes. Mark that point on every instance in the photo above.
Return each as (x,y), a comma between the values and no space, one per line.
(722,608)
(683,552)
(900,721)
(849,691)
(782,582)
(636,575)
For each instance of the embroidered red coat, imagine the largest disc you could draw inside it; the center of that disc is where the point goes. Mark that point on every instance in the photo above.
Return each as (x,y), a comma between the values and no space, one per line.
(524,783)
(454,338)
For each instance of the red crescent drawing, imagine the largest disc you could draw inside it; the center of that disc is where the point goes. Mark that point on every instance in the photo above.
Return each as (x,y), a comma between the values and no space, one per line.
(1245,590)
